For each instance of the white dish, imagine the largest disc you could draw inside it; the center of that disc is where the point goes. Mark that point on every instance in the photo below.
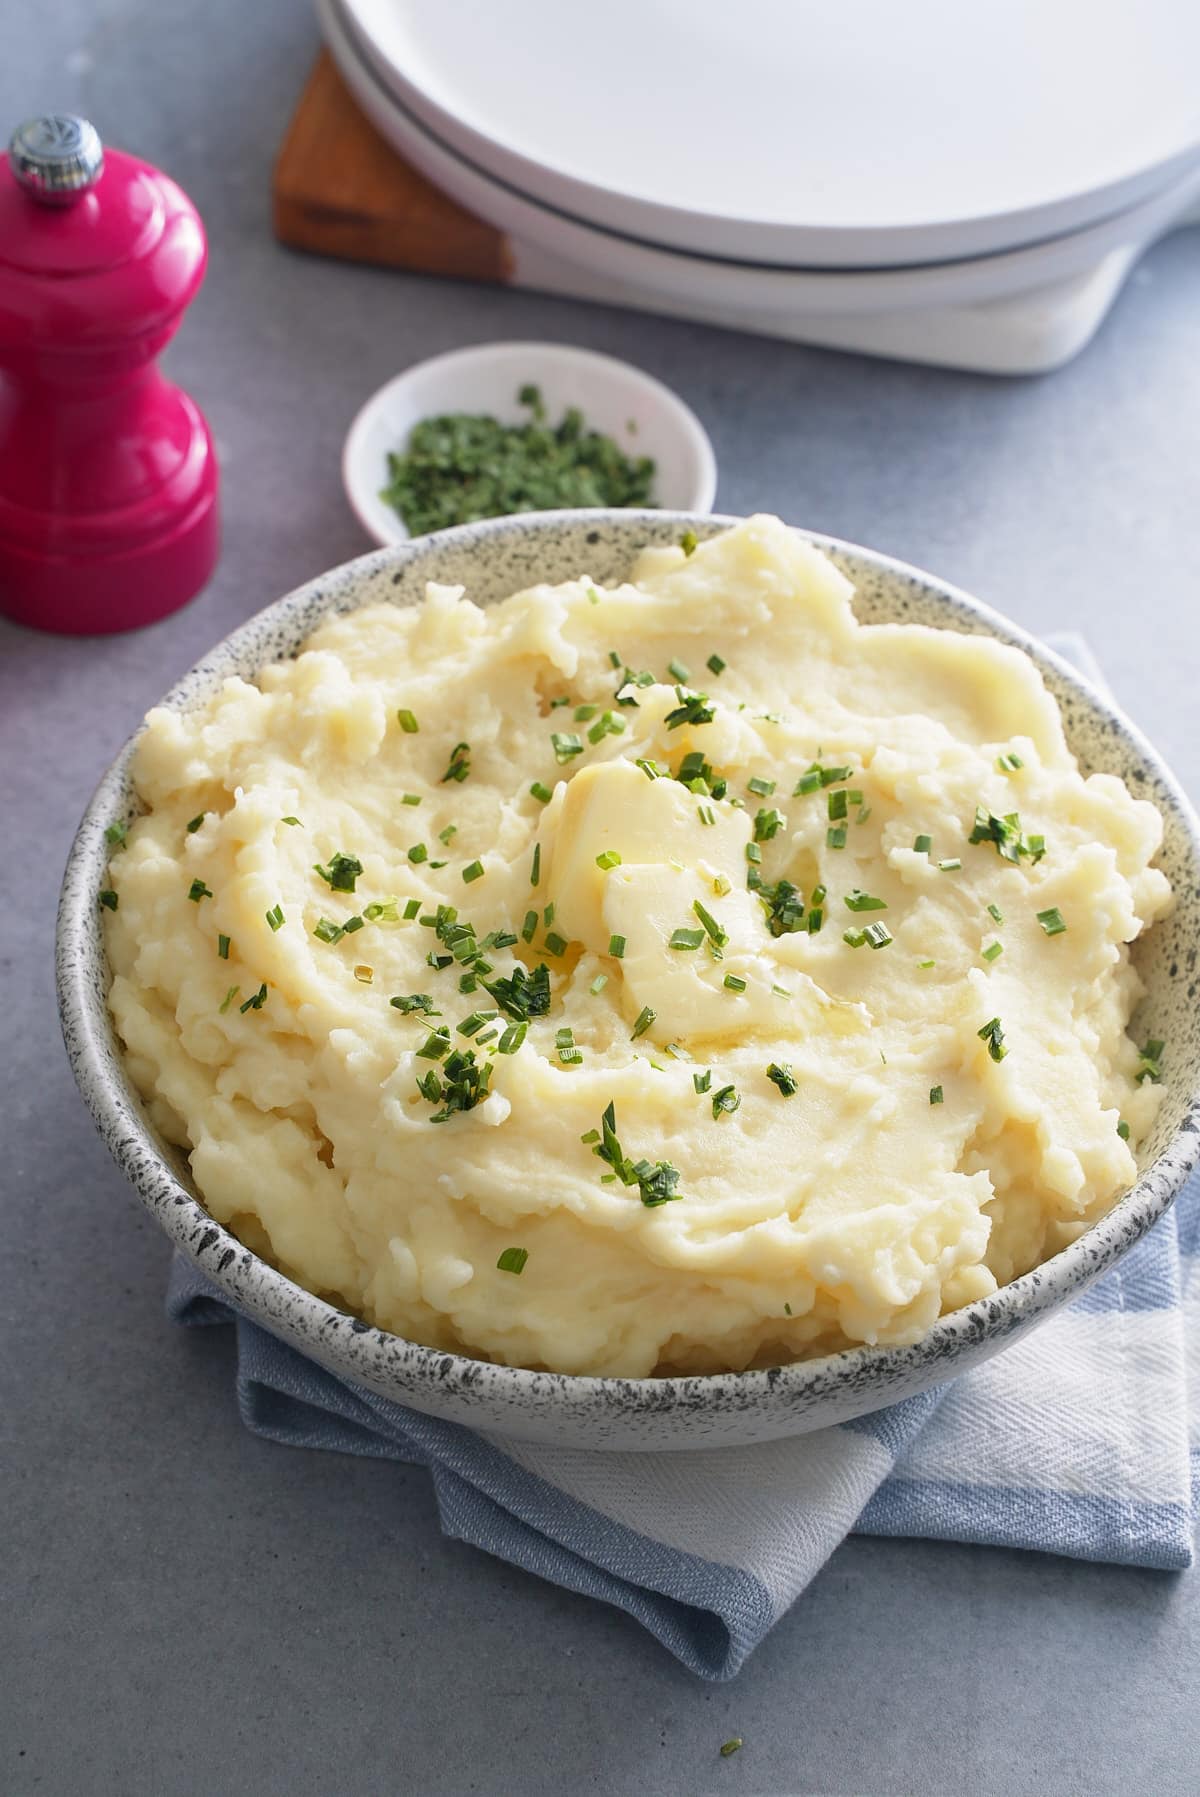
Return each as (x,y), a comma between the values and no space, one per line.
(642,416)
(700,284)
(800,135)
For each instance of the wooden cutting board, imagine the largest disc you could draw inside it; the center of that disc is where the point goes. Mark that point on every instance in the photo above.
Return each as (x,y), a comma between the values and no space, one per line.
(339,190)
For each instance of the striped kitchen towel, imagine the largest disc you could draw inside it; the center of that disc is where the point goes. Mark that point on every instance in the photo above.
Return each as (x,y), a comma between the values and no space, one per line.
(1073,1441)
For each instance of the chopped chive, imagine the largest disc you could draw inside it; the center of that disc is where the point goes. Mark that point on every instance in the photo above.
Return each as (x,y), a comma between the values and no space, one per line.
(275,917)
(109,899)
(616,947)
(949,866)
(257,1002)
(706,814)
(607,724)
(854,938)
(529,927)
(583,714)
(472,1024)
(435,1045)
(343,870)
(1123,1130)
(735,982)
(781,991)
(922,844)
(196,822)
(561,700)
(364,974)
(863,815)
(228,999)
(472,871)
(715,665)
(753,853)
(447,833)
(721,885)
(702,1081)
(993,951)
(541,791)
(687,542)
(935,1095)
(725,1102)
(716,934)
(679,671)
(693,709)
(411,909)
(767,824)
(407,722)
(762,788)
(926,963)
(556,944)
(1052,921)
(566,746)
(115,834)
(1008,762)
(512,1038)
(781,1075)
(460,764)
(645,1018)
(198,890)
(735,1743)
(835,838)
(993,1035)
(836,804)
(548,914)
(686,938)
(408,798)
(385,909)
(328,931)
(878,935)
(614,660)
(1150,1055)
(535,866)
(512,1260)
(598,984)
(857,900)
(995,913)
(223,947)
(414,1001)
(351,924)
(418,853)
(609,858)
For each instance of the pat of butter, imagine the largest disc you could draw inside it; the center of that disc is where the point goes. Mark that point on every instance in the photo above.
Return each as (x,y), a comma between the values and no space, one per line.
(669,861)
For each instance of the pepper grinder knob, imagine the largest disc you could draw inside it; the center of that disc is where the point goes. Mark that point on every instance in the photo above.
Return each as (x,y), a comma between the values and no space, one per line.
(57,157)
(108,475)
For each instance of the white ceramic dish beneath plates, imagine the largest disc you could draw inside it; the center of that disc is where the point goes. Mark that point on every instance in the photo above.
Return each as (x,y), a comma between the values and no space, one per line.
(804,135)
(491,560)
(640,414)
(1019,312)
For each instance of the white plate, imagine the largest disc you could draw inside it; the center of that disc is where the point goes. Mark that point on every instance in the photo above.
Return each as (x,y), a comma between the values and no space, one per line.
(800,134)
(692,281)
(638,412)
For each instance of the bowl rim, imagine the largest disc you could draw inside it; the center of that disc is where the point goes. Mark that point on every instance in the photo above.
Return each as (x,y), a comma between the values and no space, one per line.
(377,1357)
(679,418)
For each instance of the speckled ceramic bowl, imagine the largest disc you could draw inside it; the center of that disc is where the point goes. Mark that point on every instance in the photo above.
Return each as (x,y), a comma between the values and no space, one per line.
(492,560)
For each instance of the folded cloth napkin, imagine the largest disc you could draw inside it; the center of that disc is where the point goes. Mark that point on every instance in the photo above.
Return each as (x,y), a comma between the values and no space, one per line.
(1073,1441)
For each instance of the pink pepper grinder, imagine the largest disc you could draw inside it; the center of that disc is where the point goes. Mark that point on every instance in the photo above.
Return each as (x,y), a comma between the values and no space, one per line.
(108,476)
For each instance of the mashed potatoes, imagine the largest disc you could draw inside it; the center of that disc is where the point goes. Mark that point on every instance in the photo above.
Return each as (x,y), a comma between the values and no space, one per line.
(679,976)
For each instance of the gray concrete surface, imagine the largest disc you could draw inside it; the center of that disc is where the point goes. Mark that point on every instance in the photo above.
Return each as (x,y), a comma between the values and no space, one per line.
(188,1610)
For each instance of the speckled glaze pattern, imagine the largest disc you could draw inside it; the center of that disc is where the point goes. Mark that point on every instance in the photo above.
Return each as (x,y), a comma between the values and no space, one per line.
(492,560)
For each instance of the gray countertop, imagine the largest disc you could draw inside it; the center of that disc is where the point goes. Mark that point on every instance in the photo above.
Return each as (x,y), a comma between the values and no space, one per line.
(189,1609)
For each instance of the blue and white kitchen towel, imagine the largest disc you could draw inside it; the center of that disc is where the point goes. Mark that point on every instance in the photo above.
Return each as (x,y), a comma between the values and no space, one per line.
(1073,1441)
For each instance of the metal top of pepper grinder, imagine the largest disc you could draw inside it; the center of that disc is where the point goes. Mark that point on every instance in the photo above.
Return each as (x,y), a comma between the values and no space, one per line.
(56,157)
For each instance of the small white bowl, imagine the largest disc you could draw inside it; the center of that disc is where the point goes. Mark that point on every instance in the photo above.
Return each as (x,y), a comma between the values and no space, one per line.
(641,415)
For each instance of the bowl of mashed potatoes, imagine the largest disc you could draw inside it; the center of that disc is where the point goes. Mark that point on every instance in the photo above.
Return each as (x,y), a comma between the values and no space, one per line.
(639,980)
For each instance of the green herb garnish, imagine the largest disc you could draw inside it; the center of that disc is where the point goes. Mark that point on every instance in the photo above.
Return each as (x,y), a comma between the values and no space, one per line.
(257,1002)
(616,947)
(993,1035)
(109,899)
(459,466)
(781,1075)
(275,917)
(645,1018)
(472,871)
(512,1260)
(196,822)
(725,1102)
(343,870)
(856,900)
(935,1095)
(198,890)
(1052,921)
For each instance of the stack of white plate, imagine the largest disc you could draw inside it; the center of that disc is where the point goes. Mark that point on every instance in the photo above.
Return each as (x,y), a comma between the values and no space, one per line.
(963,184)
